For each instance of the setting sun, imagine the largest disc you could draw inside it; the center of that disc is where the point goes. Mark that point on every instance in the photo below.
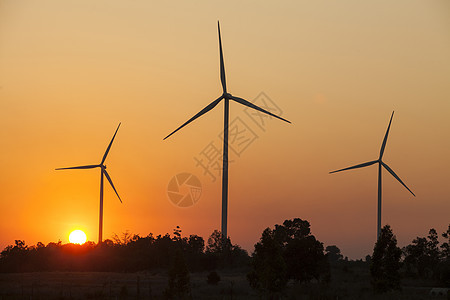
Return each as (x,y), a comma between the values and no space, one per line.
(77,237)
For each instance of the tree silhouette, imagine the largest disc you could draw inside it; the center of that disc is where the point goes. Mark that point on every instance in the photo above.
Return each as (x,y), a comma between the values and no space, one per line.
(445,252)
(444,270)
(222,253)
(422,257)
(125,253)
(179,281)
(385,265)
(290,251)
(196,244)
(213,278)
(303,254)
(269,271)
(217,244)
(333,253)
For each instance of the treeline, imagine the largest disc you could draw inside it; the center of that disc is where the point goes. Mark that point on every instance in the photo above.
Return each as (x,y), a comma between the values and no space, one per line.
(425,258)
(286,252)
(127,253)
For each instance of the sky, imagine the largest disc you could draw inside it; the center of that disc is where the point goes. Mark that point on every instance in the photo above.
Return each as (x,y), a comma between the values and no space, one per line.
(70,71)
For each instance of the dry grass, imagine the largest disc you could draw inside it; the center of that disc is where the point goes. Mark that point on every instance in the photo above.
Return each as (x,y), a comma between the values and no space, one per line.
(348,282)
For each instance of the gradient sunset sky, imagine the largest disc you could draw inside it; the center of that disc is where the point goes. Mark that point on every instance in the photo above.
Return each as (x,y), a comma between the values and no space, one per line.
(70,71)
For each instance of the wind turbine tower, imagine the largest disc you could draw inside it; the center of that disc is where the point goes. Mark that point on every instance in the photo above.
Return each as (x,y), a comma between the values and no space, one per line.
(103,172)
(226,97)
(381,165)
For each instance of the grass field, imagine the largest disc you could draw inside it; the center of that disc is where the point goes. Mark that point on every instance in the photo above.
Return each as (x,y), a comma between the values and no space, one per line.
(349,281)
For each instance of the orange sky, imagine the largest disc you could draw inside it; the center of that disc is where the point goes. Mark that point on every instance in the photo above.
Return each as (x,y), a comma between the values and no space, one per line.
(70,71)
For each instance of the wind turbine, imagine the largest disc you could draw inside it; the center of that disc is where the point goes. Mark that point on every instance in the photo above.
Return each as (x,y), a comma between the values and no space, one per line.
(226,97)
(103,171)
(380,164)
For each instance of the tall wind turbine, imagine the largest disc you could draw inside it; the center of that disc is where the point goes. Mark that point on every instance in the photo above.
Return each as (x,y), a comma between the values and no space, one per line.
(380,164)
(226,97)
(103,171)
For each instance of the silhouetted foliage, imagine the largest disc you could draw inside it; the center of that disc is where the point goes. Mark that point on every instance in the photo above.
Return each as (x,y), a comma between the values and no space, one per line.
(17,254)
(213,278)
(269,270)
(124,253)
(425,259)
(179,282)
(290,251)
(194,248)
(196,244)
(216,243)
(444,267)
(416,259)
(421,257)
(333,253)
(445,252)
(124,239)
(222,253)
(385,266)
(303,254)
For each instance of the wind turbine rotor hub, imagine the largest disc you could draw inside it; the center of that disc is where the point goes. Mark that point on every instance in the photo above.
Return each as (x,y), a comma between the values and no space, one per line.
(227,95)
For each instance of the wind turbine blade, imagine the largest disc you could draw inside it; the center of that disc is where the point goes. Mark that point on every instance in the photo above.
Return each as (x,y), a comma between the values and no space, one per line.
(202,112)
(356,166)
(80,167)
(109,146)
(251,105)
(110,181)
(222,65)
(385,137)
(396,177)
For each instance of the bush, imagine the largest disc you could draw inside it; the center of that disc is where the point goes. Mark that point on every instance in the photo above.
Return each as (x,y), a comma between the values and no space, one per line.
(289,251)
(386,262)
(213,278)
